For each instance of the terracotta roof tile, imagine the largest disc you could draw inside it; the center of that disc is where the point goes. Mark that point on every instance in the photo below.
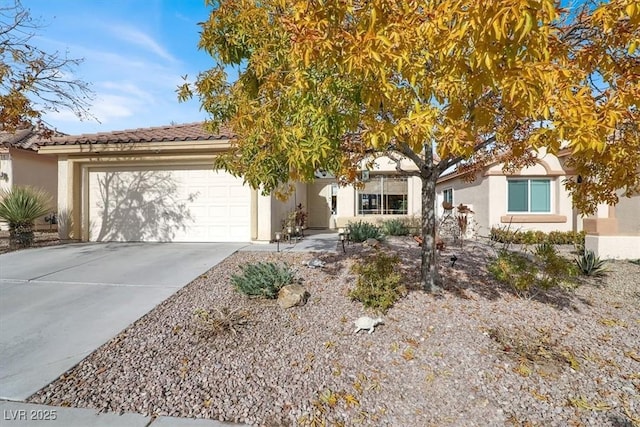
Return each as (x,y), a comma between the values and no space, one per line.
(21,138)
(181,132)
(25,139)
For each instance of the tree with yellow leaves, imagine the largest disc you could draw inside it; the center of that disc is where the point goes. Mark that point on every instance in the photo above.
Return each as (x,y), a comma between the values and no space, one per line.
(329,84)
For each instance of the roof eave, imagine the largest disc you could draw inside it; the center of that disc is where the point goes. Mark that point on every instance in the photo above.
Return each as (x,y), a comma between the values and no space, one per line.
(138,147)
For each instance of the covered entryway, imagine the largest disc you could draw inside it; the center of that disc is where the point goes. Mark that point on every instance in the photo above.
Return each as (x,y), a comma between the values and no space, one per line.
(320,200)
(167,204)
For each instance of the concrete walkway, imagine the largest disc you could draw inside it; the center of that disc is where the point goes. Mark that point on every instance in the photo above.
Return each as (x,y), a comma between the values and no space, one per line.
(314,241)
(20,414)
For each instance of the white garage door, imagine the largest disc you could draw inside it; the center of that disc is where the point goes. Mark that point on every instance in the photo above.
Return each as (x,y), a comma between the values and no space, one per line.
(168,205)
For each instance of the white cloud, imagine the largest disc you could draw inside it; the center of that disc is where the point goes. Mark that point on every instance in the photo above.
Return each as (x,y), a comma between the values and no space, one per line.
(126,88)
(137,37)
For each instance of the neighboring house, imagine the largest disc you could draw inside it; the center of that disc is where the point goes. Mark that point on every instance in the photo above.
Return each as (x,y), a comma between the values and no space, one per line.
(20,164)
(533,198)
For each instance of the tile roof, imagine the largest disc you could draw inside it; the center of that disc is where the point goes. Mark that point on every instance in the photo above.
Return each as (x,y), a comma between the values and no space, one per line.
(26,139)
(181,132)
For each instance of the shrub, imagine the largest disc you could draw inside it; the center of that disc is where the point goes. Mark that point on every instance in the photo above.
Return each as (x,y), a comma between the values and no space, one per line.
(527,275)
(361,231)
(20,207)
(378,284)
(504,235)
(590,265)
(263,279)
(223,320)
(395,227)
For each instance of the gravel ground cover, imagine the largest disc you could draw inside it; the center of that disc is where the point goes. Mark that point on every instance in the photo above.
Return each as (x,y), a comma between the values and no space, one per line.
(474,354)
(40,238)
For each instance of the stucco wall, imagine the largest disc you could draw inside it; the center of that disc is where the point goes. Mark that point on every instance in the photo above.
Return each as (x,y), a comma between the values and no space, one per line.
(473,194)
(26,167)
(5,169)
(30,168)
(627,212)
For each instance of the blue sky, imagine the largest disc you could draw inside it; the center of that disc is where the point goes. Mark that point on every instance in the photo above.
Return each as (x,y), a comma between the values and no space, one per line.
(135,52)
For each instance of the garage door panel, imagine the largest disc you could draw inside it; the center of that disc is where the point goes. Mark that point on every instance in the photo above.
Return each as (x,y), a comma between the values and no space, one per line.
(181,205)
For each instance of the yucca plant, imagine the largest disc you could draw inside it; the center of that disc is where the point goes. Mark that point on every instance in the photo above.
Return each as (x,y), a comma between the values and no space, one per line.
(20,207)
(590,265)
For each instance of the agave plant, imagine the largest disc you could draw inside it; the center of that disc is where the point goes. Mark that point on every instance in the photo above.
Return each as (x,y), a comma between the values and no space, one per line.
(590,265)
(20,207)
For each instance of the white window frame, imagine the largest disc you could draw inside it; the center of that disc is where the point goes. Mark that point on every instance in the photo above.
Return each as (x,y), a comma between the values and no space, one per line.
(528,211)
(444,195)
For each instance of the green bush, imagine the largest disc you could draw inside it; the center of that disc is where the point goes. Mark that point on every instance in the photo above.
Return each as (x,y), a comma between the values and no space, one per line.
(590,265)
(263,279)
(527,275)
(530,237)
(378,284)
(361,231)
(395,227)
(20,207)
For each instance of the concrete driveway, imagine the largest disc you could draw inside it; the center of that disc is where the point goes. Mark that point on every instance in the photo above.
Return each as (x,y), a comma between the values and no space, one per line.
(59,303)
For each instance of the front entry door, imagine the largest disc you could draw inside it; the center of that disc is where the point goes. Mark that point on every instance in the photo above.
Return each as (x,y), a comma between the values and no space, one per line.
(319,202)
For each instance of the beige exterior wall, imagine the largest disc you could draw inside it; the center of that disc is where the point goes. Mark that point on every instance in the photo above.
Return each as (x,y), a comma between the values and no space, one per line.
(26,167)
(613,247)
(474,195)
(627,212)
(30,168)
(614,231)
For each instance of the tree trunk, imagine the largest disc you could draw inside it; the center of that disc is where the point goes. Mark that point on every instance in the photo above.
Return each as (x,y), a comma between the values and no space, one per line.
(20,235)
(429,277)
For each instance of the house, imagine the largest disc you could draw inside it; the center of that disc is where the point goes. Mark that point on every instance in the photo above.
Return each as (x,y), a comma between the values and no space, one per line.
(534,198)
(21,165)
(158,184)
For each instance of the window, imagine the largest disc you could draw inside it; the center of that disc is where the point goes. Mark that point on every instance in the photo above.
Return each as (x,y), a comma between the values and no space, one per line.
(448,196)
(529,195)
(383,195)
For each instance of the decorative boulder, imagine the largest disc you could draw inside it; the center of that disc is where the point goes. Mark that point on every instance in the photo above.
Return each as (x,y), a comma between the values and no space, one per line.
(292,295)
(371,243)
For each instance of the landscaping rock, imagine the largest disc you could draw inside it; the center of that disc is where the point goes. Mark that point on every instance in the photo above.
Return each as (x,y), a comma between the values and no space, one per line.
(315,263)
(373,243)
(292,295)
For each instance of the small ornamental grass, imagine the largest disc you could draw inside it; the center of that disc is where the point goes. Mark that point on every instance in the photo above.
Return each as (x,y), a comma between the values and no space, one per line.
(263,279)
(378,284)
